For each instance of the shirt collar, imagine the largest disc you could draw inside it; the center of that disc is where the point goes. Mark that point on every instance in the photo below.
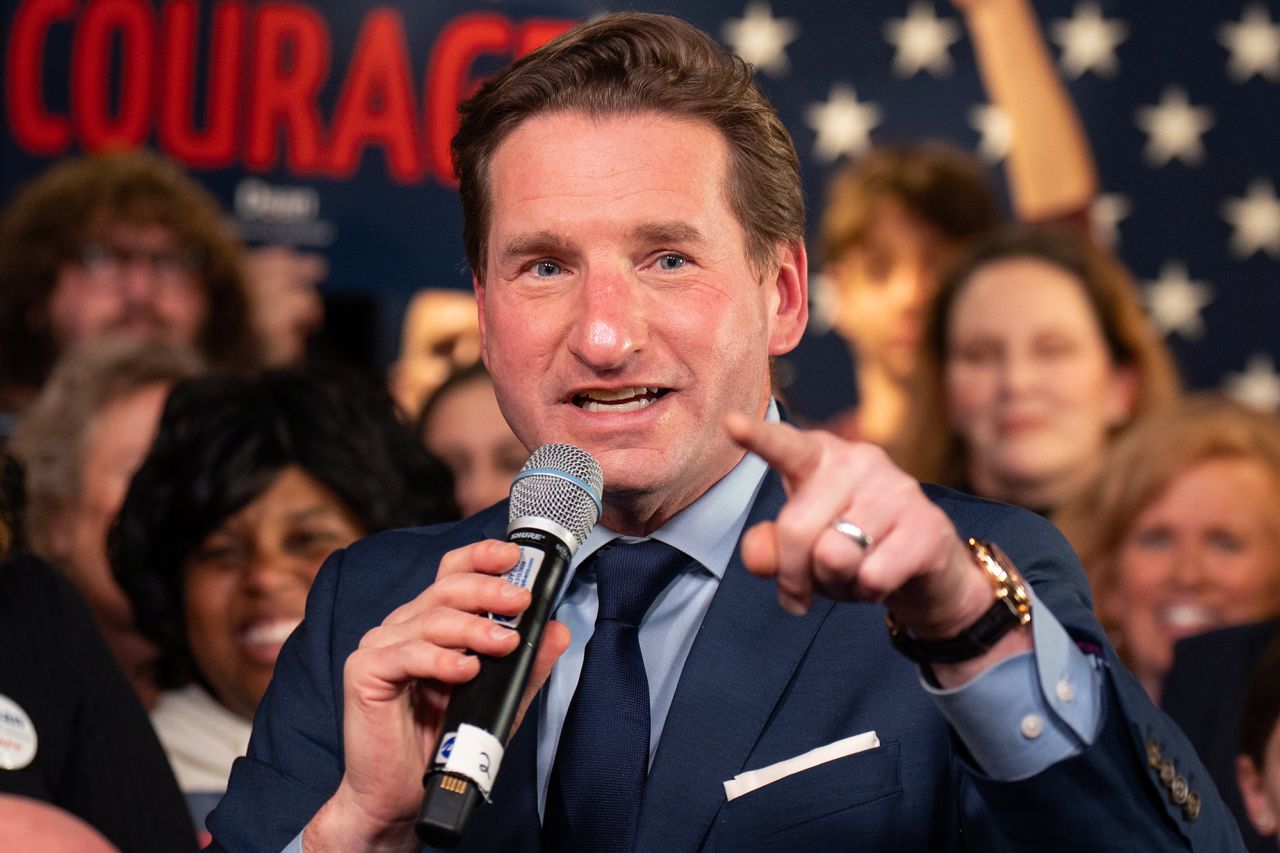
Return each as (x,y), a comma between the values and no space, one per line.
(709,528)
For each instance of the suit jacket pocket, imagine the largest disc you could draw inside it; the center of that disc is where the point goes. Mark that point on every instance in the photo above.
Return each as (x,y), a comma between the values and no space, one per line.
(802,811)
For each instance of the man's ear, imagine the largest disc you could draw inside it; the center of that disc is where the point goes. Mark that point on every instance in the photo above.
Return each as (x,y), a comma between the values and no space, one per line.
(477,287)
(1253,791)
(790,305)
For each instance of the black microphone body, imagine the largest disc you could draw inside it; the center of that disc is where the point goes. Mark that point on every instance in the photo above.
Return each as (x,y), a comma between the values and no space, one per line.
(481,712)
(491,699)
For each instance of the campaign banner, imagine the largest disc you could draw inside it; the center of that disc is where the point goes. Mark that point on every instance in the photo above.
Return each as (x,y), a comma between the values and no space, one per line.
(323,125)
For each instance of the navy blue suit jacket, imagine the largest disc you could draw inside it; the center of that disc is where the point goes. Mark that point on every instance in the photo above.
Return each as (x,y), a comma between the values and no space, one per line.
(759,686)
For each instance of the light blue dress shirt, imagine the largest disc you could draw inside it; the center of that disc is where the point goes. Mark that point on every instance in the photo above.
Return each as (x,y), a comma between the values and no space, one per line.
(1023,715)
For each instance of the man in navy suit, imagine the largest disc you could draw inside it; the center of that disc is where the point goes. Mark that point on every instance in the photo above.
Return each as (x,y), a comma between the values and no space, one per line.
(635,226)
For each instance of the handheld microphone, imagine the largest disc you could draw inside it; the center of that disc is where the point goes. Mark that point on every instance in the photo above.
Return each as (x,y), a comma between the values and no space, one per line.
(555,501)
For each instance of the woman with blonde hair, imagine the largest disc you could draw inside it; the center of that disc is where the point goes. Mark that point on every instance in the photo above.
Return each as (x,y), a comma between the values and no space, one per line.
(1180,533)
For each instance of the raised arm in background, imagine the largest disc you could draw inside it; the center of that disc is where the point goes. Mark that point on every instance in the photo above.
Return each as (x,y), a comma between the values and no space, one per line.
(1050,165)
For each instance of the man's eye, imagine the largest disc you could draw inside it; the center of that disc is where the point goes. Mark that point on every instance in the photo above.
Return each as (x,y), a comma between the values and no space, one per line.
(546,269)
(671,261)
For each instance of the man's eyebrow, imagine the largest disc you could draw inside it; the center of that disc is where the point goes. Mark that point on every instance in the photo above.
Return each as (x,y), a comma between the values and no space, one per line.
(668,232)
(541,243)
(531,245)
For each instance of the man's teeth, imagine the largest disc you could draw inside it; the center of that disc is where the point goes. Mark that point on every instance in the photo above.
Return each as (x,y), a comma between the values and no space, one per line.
(619,400)
(271,633)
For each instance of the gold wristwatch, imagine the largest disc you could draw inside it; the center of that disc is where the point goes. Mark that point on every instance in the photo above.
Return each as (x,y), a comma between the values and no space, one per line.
(1011,608)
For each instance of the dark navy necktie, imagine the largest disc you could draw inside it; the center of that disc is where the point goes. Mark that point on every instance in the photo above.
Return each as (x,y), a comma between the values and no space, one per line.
(597,781)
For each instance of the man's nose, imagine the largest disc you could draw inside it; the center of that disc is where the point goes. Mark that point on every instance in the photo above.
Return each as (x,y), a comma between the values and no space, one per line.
(611,324)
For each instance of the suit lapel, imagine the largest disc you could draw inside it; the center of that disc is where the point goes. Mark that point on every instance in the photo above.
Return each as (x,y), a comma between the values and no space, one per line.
(741,662)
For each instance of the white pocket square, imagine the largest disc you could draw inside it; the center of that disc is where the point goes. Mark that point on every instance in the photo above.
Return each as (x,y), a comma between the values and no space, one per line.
(745,783)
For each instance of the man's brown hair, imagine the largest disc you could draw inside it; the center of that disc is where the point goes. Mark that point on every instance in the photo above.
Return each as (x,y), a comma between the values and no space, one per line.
(632,63)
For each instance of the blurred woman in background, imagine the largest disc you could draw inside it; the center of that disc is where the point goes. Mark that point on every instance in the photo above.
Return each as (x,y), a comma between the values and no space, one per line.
(900,215)
(1037,353)
(249,486)
(1180,533)
(462,425)
(80,442)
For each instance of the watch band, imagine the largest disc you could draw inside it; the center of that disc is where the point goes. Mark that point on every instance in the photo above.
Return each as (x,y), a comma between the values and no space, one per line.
(1011,608)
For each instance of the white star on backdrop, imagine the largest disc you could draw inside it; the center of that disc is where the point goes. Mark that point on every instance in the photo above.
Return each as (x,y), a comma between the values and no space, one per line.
(1256,220)
(1174,301)
(1105,215)
(996,129)
(1174,128)
(1089,41)
(762,39)
(922,39)
(1254,43)
(1257,386)
(843,125)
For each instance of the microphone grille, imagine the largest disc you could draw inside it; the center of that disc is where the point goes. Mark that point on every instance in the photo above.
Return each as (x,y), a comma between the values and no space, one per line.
(560,482)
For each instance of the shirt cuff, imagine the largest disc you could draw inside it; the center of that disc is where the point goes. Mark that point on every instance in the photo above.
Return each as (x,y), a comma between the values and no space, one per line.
(295,846)
(1031,710)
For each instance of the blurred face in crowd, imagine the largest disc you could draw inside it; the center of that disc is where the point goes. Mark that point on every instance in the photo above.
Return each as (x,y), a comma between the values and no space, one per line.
(1260,787)
(467,431)
(619,309)
(115,443)
(885,284)
(439,336)
(138,280)
(246,584)
(1204,554)
(1030,384)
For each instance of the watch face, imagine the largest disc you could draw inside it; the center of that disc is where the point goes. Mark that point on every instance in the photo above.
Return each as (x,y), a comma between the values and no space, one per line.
(1011,587)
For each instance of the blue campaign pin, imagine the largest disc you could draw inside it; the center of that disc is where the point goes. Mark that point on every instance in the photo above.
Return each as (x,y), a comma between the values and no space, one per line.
(17,736)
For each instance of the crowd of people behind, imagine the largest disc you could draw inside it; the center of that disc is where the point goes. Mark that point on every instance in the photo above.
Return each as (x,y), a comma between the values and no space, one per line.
(185,470)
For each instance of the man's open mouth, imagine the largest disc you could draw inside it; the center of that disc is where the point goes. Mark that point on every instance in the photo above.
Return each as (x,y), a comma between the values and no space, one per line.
(619,400)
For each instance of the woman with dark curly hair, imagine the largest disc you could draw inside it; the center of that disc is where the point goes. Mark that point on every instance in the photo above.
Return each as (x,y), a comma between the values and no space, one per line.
(249,486)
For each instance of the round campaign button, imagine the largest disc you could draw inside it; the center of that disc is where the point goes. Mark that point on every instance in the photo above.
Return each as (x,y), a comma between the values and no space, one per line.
(17,736)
